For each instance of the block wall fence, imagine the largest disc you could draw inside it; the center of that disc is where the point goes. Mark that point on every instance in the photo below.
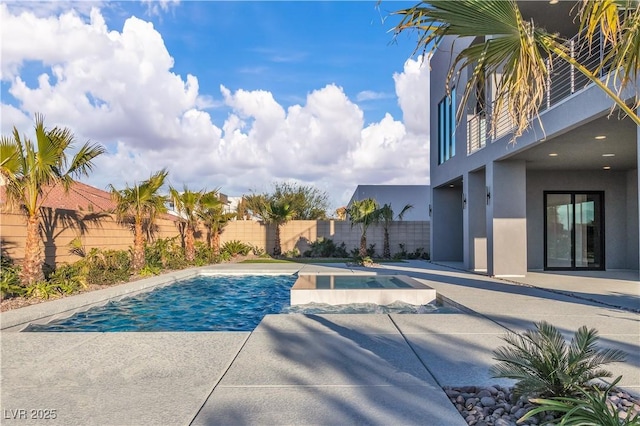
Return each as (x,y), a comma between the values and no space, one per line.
(62,226)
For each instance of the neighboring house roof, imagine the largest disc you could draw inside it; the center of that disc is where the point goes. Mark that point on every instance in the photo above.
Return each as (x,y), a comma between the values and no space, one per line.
(80,197)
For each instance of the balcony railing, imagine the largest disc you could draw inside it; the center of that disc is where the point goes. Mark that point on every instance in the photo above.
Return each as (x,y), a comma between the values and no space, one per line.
(563,81)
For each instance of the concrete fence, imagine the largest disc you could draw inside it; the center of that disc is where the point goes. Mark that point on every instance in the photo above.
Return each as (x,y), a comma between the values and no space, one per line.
(60,227)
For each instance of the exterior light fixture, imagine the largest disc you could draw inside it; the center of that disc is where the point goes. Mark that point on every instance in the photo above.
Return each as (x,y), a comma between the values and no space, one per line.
(608,155)
(488,192)
(607,167)
(553,154)
(600,137)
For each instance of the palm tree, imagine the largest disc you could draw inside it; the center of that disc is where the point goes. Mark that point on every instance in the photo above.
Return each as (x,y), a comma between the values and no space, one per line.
(187,204)
(386,217)
(514,49)
(140,204)
(363,213)
(278,213)
(30,171)
(211,213)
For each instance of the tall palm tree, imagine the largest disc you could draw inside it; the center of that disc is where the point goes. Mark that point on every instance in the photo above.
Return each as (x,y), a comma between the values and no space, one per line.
(211,213)
(278,213)
(30,170)
(386,216)
(363,213)
(140,204)
(514,49)
(186,204)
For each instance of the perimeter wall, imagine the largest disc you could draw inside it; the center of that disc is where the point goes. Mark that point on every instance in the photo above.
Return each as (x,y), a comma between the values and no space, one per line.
(102,231)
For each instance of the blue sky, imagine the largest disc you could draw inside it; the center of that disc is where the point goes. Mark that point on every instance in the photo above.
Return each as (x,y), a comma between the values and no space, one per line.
(229,95)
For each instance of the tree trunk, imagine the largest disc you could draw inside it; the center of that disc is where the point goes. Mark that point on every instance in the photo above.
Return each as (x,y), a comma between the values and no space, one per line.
(32,262)
(363,246)
(138,248)
(189,244)
(386,251)
(277,250)
(215,243)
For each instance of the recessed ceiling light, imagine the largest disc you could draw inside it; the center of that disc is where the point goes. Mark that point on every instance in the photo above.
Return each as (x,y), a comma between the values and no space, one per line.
(600,137)
(553,154)
(553,1)
(607,167)
(451,186)
(608,155)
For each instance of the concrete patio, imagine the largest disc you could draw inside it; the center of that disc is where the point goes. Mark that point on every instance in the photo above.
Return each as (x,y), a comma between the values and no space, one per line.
(305,369)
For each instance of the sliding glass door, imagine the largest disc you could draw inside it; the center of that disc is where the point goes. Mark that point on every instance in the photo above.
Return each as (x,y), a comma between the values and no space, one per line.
(574,230)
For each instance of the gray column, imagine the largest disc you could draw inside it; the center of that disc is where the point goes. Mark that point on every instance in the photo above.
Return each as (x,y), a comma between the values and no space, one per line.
(506,219)
(475,227)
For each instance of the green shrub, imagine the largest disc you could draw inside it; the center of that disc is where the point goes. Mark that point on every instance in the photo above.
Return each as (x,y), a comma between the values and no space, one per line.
(545,366)
(165,253)
(149,271)
(294,252)
(204,254)
(67,279)
(235,247)
(9,277)
(325,247)
(42,290)
(590,408)
(106,267)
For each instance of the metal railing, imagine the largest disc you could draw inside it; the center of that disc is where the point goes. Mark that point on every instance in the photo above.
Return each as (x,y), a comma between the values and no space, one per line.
(563,81)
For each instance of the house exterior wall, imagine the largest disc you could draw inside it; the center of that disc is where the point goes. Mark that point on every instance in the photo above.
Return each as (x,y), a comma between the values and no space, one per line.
(522,246)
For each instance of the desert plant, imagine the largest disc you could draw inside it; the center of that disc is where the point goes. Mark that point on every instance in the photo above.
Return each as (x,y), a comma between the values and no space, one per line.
(235,247)
(386,216)
(140,205)
(363,213)
(67,278)
(545,366)
(41,290)
(29,170)
(105,267)
(10,280)
(591,408)
(294,252)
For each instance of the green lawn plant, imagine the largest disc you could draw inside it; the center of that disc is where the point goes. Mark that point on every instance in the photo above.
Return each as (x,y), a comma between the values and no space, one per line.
(544,365)
(590,408)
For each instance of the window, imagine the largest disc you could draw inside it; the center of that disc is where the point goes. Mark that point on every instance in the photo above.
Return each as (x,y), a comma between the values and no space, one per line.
(446,127)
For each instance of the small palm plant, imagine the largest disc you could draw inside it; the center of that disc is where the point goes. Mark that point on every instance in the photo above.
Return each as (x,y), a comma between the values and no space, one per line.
(546,366)
(591,408)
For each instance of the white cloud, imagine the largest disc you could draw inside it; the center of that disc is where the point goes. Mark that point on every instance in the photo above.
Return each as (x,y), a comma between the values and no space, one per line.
(369,95)
(117,87)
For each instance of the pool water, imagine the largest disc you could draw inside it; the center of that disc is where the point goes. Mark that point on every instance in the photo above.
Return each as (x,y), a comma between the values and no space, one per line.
(219,303)
(208,303)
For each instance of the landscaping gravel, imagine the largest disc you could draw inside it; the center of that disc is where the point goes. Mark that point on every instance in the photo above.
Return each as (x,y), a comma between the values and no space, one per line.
(496,406)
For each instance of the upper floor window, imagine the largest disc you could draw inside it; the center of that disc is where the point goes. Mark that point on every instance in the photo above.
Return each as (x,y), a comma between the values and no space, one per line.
(446,127)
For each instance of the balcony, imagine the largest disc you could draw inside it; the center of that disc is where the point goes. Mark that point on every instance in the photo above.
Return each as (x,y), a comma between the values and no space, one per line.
(564,81)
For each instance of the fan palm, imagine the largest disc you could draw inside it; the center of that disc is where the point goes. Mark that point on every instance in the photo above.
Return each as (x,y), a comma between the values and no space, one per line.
(187,204)
(140,205)
(278,213)
(211,213)
(513,49)
(386,216)
(363,213)
(546,366)
(30,170)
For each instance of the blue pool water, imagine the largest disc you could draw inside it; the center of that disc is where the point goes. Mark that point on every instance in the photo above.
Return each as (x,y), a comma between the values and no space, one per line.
(213,303)
(220,303)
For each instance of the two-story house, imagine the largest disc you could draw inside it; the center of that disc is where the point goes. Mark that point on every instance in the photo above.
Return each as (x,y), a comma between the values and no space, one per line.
(564,196)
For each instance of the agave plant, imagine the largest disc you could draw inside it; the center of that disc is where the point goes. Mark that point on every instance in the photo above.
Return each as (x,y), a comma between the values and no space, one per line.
(592,408)
(546,366)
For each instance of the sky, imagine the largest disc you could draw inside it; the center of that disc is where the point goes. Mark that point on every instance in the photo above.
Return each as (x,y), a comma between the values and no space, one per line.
(228,95)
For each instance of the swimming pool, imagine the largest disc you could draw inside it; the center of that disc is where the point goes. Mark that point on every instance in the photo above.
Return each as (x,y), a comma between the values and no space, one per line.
(205,303)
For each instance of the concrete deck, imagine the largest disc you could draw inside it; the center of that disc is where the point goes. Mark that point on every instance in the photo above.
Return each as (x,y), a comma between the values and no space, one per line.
(297,369)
